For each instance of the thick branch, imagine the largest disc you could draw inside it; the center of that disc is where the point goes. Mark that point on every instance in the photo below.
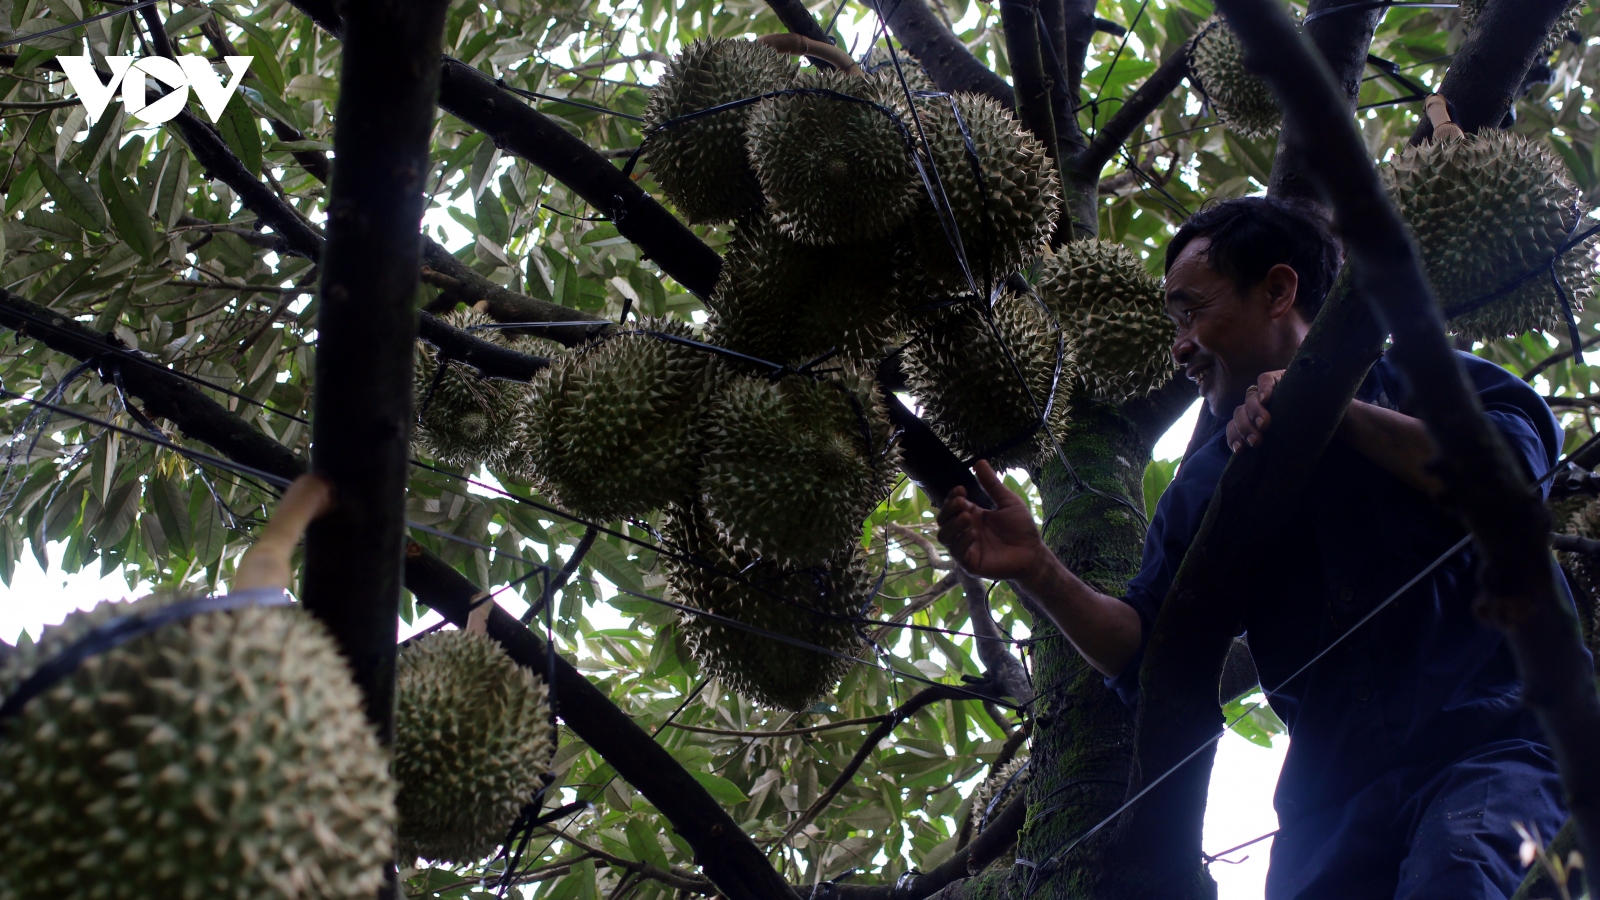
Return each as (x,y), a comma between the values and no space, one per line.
(936,47)
(1155,412)
(453,343)
(505,305)
(1020,20)
(1192,634)
(1488,70)
(727,854)
(1509,523)
(795,17)
(1343,39)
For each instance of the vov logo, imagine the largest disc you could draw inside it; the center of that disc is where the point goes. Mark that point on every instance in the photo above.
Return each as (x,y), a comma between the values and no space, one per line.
(129,74)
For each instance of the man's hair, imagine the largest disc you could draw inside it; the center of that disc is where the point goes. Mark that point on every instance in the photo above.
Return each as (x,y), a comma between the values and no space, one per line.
(1250,235)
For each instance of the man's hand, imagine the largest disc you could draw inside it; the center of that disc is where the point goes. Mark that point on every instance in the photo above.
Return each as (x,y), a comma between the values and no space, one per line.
(1000,543)
(1251,419)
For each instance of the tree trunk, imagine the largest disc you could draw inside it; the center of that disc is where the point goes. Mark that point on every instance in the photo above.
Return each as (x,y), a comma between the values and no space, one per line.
(366,334)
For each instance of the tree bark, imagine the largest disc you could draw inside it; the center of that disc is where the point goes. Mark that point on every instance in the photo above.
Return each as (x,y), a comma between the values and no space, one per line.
(1510,525)
(1343,39)
(948,61)
(1488,70)
(366,334)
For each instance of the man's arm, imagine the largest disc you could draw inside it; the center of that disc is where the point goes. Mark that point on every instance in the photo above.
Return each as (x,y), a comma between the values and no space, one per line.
(1004,544)
(1395,441)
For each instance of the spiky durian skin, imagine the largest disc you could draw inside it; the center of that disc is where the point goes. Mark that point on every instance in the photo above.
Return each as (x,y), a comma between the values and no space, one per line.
(1004,220)
(879,63)
(1485,210)
(701,164)
(472,743)
(613,428)
(788,303)
(1242,99)
(1568,20)
(794,466)
(1115,311)
(226,755)
(968,387)
(463,418)
(814,604)
(1005,783)
(834,171)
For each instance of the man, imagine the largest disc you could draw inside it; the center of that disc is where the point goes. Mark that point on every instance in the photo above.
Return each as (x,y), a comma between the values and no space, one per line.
(1411,756)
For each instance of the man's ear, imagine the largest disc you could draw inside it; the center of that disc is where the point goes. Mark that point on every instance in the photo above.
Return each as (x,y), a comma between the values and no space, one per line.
(1282,286)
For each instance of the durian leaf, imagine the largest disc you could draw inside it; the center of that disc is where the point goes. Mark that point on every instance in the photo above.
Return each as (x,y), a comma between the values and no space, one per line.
(72,194)
(721,789)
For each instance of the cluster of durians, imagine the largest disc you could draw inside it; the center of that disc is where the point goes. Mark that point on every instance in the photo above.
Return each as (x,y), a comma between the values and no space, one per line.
(769,456)
(228,754)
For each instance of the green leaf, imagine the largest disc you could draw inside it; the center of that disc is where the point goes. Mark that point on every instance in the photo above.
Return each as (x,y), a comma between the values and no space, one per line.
(721,789)
(132,223)
(493,223)
(72,194)
(242,134)
(609,560)
(1157,475)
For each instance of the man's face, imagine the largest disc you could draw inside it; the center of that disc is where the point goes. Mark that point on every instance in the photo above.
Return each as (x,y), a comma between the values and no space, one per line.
(1228,337)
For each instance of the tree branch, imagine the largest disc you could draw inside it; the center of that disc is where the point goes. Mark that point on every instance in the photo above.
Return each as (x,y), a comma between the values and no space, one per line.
(1194,630)
(727,854)
(919,700)
(505,305)
(993,645)
(1509,524)
(677,880)
(493,360)
(1489,69)
(997,838)
(935,46)
(1343,40)
(795,17)
(1130,116)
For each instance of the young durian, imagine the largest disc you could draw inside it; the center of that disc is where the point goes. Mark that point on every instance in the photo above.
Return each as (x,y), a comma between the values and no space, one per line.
(962,364)
(881,64)
(834,171)
(464,418)
(1102,294)
(1488,210)
(473,742)
(1003,196)
(224,755)
(818,605)
(1242,99)
(701,163)
(789,303)
(613,428)
(993,793)
(794,466)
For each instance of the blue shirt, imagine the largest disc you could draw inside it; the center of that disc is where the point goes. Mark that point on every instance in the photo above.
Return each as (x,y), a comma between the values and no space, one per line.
(1421,682)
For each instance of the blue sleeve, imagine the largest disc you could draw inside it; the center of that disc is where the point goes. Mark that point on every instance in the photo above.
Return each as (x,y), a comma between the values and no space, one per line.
(1530,429)
(1172,530)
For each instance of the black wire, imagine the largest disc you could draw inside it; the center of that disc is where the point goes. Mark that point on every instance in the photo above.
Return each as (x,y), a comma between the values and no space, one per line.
(1094,102)
(535,95)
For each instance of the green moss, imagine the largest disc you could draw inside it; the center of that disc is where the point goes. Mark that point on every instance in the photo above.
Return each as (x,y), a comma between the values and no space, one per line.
(1083,737)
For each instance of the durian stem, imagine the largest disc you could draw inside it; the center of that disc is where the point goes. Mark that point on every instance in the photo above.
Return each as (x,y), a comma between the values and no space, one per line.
(266,563)
(1438,110)
(800,45)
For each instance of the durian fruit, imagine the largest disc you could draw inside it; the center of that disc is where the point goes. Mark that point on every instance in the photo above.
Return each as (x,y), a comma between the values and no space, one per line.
(701,163)
(1115,312)
(879,63)
(1001,222)
(958,366)
(464,418)
(789,303)
(1585,522)
(473,742)
(814,604)
(225,755)
(1471,9)
(1242,99)
(794,466)
(1486,209)
(995,792)
(613,427)
(834,171)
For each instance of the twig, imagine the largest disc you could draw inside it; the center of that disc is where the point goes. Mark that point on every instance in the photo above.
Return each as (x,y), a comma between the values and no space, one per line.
(785,732)
(931,554)
(681,880)
(1554,358)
